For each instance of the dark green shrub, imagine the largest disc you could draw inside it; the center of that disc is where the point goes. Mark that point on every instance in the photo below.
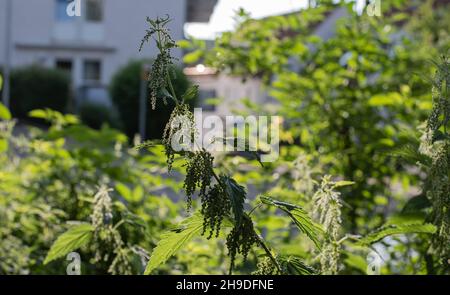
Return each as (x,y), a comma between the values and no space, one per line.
(124,91)
(35,87)
(95,115)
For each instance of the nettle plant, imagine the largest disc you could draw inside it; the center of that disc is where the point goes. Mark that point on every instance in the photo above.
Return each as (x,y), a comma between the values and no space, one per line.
(222,198)
(432,155)
(224,212)
(438,183)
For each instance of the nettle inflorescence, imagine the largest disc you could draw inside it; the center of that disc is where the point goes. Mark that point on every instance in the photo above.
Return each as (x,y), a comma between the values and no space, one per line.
(164,60)
(327,208)
(302,174)
(199,172)
(102,213)
(215,207)
(438,149)
(221,197)
(241,239)
(181,119)
(266,267)
(107,241)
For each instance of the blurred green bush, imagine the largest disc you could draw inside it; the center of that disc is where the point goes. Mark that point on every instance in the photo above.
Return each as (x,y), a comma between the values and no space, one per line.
(50,178)
(35,87)
(95,115)
(124,91)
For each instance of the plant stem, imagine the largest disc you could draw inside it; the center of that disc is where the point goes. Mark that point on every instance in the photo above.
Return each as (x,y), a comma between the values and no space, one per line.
(347,237)
(118,224)
(169,81)
(172,90)
(254,208)
(268,252)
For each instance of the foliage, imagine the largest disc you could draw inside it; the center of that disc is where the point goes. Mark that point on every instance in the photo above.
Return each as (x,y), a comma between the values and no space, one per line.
(173,240)
(36,87)
(351,105)
(53,177)
(4,113)
(438,141)
(95,115)
(347,100)
(347,97)
(72,239)
(300,218)
(200,164)
(392,229)
(434,160)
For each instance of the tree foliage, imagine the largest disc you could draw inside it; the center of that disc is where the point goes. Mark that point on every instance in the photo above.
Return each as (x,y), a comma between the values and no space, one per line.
(359,172)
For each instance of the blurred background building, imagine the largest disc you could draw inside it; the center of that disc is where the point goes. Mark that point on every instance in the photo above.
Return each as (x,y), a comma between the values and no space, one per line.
(93,47)
(90,47)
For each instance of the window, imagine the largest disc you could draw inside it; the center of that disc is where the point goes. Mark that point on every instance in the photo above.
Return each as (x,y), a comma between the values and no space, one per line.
(94,10)
(91,9)
(65,65)
(61,11)
(92,71)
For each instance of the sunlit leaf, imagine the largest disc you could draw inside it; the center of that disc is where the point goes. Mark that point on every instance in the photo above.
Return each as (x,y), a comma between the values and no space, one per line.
(39,114)
(124,191)
(193,56)
(3,145)
(174,240)
(72,239)
(300,218)
(184,44)
(389,230)
(389,99)
(4,113)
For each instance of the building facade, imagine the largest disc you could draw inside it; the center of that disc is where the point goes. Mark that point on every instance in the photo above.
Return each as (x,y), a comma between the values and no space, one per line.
(93,44)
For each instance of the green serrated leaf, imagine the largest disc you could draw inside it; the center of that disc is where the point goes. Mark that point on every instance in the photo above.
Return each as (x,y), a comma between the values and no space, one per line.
(355,261)
(190,93)
(174,240)
(416,204)
(295,266)
(406,218)
(148,144)
(237,195)
(410,152)
(300,218)
(72,239)
(393,229)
